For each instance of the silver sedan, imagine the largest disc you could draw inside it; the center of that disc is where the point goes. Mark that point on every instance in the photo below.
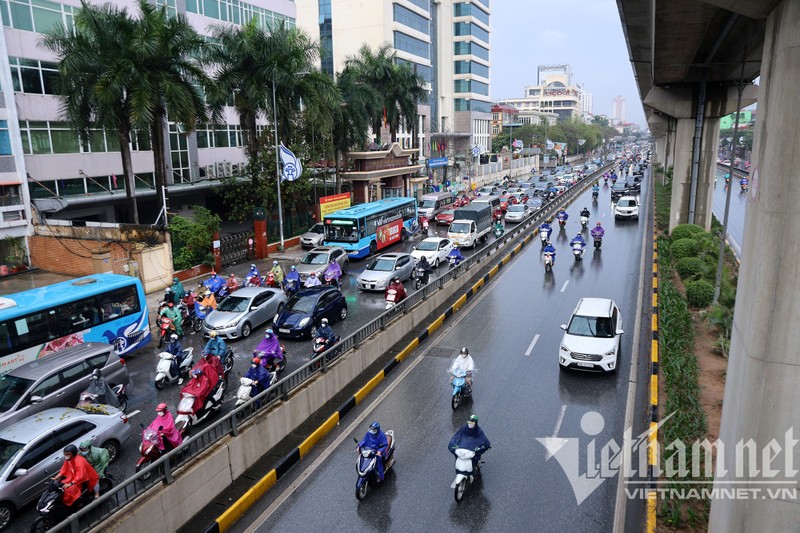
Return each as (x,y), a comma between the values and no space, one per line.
(380,271)
(243,310)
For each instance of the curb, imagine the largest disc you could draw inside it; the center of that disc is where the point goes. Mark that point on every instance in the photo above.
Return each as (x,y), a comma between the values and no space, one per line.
(237,509)
(652,456)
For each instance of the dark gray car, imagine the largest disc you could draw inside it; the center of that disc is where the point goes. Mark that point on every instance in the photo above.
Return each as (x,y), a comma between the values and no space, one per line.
(56,380)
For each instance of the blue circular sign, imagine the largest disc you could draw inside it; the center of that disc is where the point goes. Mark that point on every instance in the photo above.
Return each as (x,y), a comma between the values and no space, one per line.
(446,183)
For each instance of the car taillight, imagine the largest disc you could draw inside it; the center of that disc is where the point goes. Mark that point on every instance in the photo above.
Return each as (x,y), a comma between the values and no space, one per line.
(122,361)
(124,419)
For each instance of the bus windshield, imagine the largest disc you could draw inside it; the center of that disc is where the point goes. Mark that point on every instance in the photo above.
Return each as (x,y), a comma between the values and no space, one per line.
(341,231)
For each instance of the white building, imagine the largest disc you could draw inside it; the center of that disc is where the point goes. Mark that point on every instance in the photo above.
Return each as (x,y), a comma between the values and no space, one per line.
(71,181)
(555,94)
(587,104)
(446,42)
(618,110)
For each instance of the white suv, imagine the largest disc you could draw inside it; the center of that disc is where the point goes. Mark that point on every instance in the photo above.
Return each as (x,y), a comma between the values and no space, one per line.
(592,337)
(627,207)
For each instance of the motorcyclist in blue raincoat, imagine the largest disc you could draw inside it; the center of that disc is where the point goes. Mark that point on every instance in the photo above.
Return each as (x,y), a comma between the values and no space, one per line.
(578,239)
(215,345)
(271,347)
(291,283)
(174,346)
(375,439)
(326,331)
(550,249)
(260,375)
(562,215)
(456,253)
(253,271)
(546,227)
(214,283)
(470,437)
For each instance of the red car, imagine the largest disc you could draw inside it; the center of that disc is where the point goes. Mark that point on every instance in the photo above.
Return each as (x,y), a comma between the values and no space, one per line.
(445,216)
(507,199)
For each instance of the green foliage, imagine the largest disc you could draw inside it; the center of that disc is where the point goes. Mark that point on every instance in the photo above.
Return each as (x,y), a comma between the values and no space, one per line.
(699,293)
(663,199)
(191,238)
(684,248)
(690,267)
(684,231)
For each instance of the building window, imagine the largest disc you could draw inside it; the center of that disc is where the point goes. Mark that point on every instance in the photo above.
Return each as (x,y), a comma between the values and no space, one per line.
(411,45)
(479,69)
(238,12)
(423,70)
(326,36)
(466,10)
(32,76)
(422,4)
(35,15)
(179,154)
(5,140)
(412,20)
(461,86)
(463,48)
(44,138)
(9,195)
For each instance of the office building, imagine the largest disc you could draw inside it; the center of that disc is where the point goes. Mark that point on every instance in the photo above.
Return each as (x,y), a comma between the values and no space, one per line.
(555,94)
(587,107)
(618,110)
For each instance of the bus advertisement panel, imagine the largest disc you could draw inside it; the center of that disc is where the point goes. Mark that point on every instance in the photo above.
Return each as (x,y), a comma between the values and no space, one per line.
(356,228)
(100,308)
(389,233)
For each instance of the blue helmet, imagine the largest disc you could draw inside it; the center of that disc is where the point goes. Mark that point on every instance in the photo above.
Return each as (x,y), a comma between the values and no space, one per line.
(269,333)
(375,425)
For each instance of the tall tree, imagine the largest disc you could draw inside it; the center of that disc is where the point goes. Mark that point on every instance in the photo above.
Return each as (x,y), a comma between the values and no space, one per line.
(248,60)
(375,69)
(165,75)
(94,79)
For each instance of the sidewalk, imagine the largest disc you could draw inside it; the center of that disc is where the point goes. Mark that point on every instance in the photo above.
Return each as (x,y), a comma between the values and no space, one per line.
(287,258)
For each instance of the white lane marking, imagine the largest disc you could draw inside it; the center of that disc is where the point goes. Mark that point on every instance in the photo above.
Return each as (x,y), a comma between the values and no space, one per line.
(136,412)
(565,286)
(559,420)
(346,434)
(533,343)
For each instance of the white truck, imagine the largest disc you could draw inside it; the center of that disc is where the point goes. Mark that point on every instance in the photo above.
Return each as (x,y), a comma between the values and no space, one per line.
(471,223)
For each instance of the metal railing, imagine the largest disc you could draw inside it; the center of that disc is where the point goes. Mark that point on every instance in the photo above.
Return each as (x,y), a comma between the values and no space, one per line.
(163,469)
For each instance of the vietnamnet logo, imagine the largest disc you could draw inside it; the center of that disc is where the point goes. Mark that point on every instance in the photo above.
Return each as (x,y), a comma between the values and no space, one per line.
(681,470)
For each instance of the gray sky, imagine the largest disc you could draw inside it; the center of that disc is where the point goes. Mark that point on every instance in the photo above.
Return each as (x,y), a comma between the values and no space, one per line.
(586,34)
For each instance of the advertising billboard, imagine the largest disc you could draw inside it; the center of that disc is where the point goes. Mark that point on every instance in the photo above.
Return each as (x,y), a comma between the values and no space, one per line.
(330,204)
(389,233)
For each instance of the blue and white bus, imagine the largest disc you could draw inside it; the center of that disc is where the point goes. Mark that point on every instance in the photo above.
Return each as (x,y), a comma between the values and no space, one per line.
(99,308)
(364,229)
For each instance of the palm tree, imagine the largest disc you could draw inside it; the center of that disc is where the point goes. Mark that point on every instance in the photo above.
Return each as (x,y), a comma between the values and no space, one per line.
(408,90)
(94,78)
(248,60)
(165,76)
(377,70)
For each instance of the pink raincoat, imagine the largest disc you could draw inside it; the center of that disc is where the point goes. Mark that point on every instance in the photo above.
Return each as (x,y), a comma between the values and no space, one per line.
(168,430)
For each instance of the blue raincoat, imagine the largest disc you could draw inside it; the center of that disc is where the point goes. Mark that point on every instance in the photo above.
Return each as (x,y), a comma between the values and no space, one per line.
(470,439)
(379,443)
(261,375)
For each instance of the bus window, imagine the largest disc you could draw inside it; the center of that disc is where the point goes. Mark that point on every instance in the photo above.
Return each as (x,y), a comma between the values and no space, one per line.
(118,303)
(37,328)
(78,316)
(6,347)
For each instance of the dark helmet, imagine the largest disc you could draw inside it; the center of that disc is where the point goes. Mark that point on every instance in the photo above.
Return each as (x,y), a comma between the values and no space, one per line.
(464,351)
(473,418)
(71,449)
(97,373)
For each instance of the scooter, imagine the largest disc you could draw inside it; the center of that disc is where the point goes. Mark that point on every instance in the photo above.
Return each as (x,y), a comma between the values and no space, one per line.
(271,281)
(499,230)
(149,449)
(423,222)
(595,194)
(562,222)
(584,222)
(166,328)
(577,251)
(269,359)
(391,298)
(598,241)
(255,281)
(187,417)
(453,260)
(330,279)
(548,262)
(87,398)
(365,465)
(290,287)
(544,235)
(246,387)
(200,313)
(461,389)
(464,474)
(745,187)
(421,278)
(170,368)
(51,506)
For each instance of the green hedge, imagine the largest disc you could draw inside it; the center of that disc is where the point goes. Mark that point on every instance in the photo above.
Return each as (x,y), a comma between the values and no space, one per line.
(690,267)
(684,248)
(699,293)
(684,231)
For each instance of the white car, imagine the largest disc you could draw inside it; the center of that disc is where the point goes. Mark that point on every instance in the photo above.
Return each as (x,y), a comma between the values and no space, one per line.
(517,212)
(591,168)
(627,207)
(484,191)
(435,250)
(592,338)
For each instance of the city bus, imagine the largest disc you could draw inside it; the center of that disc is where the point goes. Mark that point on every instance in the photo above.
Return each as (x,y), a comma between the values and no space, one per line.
(100,308)
(364,229)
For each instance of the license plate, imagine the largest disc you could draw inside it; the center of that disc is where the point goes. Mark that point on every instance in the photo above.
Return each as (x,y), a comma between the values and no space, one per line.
(586,365)
(284,330)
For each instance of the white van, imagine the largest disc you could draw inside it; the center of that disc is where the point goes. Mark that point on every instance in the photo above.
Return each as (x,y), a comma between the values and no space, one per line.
(431,204)
(493,201)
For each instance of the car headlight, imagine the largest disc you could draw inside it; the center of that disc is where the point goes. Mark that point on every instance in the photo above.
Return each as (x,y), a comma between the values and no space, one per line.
(609,353)
(234,323)
(276,317)
(564,347)
(303,323)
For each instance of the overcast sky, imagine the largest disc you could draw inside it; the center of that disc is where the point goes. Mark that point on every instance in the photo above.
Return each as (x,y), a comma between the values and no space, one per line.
(586,34)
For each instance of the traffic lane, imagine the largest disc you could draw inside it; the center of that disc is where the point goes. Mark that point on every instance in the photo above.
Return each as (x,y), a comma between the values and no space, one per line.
(419,412)
(737,211)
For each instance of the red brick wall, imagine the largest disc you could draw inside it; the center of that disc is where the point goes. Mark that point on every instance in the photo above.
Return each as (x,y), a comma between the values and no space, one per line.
(72,256)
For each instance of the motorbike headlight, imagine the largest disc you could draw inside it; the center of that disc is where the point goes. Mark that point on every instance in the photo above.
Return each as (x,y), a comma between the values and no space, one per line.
(303,323)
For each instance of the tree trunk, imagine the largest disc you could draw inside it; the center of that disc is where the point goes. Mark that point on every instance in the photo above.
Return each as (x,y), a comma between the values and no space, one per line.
(127,172)
(159,162)
(336,169)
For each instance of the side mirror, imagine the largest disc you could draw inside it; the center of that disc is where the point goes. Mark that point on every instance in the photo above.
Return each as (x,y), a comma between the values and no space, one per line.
(253,308)
(20,472)
(564,327)
(36,399)
(620,332)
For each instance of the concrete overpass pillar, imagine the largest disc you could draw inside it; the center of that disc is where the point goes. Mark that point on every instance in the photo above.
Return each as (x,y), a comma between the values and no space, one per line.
(762,391)
(681,105)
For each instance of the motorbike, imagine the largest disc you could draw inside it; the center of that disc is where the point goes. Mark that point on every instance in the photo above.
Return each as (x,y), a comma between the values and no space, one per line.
(170,368)
(595,194)
(544,235)
(290,287)
(744,187)
(166,328)
(598,241)
(87,398)
(577,251)
(548,262)
(562,222)
(421,278)
(605,180)
(255,281)
(453,261)
(461,389)
(365,465)
(271,281)
(279,366)
(200,313)
(391,298)
(330,279)
(149,448)
(423,222)
(246,387)
(51,508)
(464,473)
(499,231)
(584,222)
(187,417)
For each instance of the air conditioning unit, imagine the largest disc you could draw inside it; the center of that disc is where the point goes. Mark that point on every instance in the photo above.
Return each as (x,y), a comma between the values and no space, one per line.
(227,166)
(210,172)
(220,170)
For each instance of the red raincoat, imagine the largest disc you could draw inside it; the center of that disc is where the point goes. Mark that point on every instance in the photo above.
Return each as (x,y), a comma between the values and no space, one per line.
(77,471)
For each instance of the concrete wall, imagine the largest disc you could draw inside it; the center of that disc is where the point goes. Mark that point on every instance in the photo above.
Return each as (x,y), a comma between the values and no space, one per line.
(170,506)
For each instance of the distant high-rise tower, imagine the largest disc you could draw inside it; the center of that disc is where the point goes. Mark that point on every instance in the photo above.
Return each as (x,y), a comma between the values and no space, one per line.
(587,103)
(618,109)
